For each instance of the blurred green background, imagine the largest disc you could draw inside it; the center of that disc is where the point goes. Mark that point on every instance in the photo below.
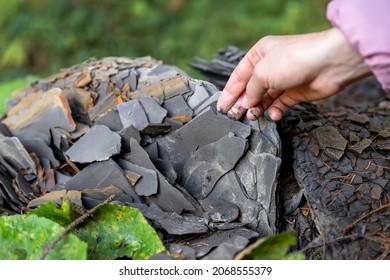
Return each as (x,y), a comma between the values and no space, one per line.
(39,37)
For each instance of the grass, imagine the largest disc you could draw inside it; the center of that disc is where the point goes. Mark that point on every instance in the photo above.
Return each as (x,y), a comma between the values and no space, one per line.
(8,87)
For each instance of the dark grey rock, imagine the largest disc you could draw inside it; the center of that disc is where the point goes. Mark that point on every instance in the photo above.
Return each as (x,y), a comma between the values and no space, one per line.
(92,197)
(15,154)
(204,245)
(110,119)
(331,141)
(204,168)
(156,129)
(168,198)
(177,106)
(230,189)
(153,110)
(361,119)
(227,250)
(148,183)
(220,211)
(98,144)
(166,168)
(364,133)
(127,134)
(133,114)
(359,147)
(199,96)
(41,149)
(212,101)
(182,252)
(173,223)
(100,175)
(206,128)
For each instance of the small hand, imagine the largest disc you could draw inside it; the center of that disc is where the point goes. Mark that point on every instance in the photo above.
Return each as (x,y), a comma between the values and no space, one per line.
(281,71)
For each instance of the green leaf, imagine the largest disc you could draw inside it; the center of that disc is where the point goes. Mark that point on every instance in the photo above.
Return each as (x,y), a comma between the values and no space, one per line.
(24,237)
(114,231)
(274,247)
(49,210)
(118,231)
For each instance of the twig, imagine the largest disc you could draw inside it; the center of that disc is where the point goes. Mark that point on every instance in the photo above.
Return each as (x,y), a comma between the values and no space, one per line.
(315,243)
(48,247)
(382,208)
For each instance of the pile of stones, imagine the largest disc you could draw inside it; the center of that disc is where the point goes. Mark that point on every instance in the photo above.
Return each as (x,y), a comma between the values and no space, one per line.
(150,135)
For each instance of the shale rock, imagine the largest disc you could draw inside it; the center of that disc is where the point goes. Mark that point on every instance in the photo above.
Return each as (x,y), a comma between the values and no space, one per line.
(150,135)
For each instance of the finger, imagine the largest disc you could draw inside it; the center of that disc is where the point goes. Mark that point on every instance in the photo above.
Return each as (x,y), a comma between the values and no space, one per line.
(268,98)
(280,106)
(238,80)
(255,112)
(237,111)
(256,87)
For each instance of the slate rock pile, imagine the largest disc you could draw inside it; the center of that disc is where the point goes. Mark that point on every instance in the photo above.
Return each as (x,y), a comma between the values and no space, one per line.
(149,134)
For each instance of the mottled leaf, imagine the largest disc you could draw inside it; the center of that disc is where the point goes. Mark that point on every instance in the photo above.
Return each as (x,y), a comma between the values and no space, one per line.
(113,231)
(50,210)
(117,231)
(24,237)
(274,247)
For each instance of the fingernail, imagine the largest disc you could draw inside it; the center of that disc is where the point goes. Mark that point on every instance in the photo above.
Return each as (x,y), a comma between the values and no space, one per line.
(267,116)
(255,112)
(234,112)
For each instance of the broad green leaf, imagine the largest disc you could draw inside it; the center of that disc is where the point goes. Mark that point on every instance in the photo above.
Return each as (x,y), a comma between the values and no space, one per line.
(117,231)
(274,247)
(24,237)
(113,231)
(61,216)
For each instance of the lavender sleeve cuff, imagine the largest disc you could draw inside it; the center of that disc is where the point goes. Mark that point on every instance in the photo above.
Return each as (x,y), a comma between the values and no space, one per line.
(366,25)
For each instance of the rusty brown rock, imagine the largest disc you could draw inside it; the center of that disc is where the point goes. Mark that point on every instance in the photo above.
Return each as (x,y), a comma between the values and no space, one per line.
(35,114)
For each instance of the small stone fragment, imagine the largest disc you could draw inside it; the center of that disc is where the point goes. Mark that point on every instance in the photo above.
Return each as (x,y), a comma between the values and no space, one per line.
(98,144)
(359,147)
(99,175)
(133,114)
(153,110)
(331,141)
(147,184)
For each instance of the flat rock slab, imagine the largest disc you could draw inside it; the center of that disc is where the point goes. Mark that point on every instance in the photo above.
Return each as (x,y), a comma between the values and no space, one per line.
(13,151)
(100,175)
(98,144)
(36,114)
(174,223)
(331,141)
(133,114)
(208,164)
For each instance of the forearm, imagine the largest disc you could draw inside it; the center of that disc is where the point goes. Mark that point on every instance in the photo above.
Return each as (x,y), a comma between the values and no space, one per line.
(366,25)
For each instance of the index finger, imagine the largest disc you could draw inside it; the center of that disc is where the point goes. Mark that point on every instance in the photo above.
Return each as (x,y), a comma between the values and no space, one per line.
(238,80)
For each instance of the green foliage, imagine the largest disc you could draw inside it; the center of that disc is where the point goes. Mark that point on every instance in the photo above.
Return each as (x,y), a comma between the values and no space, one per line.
(117,231)
(24,237)
(41,36)
(274,247)
(114,231)
(6,88)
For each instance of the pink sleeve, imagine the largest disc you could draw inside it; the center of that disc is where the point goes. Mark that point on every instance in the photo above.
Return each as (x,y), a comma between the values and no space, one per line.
(366,25)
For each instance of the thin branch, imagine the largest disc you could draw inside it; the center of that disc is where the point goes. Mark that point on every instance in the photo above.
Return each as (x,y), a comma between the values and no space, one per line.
(347,228)
(48,247)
